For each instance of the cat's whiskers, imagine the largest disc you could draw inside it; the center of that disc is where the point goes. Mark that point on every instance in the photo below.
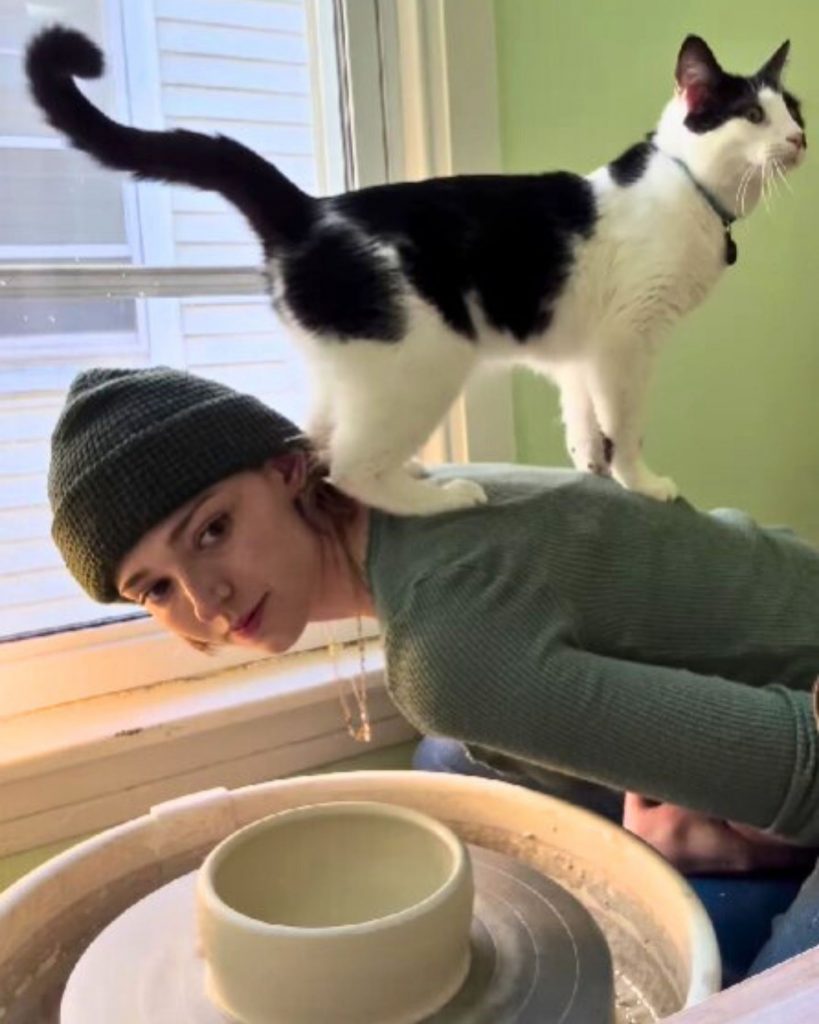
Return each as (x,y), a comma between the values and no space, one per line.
(766,183)
(744,195)
(742,188)
(775,180)
(776,174)
(783,177)
(751,173)
(757,172)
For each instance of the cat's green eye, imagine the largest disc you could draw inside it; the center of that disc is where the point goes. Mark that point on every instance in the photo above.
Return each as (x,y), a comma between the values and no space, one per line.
(755,114)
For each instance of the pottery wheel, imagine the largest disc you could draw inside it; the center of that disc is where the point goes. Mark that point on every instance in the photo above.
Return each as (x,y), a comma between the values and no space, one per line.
(537,958)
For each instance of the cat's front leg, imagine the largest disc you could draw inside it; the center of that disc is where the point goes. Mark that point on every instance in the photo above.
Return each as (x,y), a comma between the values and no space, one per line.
(642,480)
(619,374)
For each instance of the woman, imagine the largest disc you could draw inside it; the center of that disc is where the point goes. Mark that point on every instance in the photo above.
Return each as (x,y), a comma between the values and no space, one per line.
(568,624)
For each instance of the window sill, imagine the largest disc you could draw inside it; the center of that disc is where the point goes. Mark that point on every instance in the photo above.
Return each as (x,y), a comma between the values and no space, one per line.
(81,767)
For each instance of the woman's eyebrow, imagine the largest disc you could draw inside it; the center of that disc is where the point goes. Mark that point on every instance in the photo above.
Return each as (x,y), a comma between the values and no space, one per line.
(137,577)
(183,522)
(132,581)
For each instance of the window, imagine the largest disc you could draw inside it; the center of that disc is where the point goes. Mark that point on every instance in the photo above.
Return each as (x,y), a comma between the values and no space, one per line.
(48,189)
(98,270)
(242,68)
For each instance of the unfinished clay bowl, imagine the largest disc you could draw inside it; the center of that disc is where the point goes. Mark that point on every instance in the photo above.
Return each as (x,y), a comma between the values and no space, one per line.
(347,911)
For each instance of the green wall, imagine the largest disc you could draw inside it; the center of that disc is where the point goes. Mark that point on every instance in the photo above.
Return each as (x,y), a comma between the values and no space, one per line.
(732,415)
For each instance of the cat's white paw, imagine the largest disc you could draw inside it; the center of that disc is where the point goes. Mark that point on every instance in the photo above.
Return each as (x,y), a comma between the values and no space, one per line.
(661,488)
(416,469)
(464,494)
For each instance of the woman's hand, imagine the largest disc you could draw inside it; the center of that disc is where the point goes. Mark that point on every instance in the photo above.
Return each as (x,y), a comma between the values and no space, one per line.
(697,844)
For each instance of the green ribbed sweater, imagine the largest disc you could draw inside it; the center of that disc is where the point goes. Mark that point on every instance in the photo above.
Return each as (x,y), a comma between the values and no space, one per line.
(644,646)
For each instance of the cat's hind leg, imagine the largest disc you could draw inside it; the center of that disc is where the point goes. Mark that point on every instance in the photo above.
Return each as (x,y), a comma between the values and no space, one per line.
(319,427)
(396,491)
(416,468)
(387,400)
(588,448)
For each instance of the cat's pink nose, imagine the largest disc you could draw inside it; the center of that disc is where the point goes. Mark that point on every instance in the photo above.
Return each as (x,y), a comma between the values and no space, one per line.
(799,140)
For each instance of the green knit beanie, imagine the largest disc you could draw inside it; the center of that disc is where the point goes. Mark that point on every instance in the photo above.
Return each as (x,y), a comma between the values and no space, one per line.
(132,446)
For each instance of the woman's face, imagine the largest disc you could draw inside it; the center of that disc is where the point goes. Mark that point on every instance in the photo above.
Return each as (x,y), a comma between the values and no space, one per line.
(237,564)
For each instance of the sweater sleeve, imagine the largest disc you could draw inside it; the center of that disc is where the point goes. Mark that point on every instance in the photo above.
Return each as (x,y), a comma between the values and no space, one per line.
(509,675)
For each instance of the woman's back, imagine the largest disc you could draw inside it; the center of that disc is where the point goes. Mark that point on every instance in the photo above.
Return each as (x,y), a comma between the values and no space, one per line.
(575,625)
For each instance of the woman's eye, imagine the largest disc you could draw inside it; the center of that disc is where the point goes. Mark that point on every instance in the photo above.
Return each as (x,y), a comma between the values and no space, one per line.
(214,531)
(755,114)
(156,593)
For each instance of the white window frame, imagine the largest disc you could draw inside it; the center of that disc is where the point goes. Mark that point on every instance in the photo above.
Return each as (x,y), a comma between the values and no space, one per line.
(70,699)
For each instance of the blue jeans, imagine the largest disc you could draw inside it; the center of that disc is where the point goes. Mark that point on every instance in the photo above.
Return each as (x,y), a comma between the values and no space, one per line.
(795,929)
(760,919)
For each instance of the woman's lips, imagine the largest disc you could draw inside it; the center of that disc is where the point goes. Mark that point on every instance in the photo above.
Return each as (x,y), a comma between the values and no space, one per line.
(246,628)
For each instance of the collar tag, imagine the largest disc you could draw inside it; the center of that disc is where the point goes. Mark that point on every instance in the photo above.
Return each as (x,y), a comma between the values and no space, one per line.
(730,247)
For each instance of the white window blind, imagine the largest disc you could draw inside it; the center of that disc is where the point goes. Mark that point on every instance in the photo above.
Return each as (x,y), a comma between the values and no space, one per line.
(246,68)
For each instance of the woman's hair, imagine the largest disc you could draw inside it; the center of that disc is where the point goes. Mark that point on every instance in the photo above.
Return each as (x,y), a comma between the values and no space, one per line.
(326,510)
(322,506)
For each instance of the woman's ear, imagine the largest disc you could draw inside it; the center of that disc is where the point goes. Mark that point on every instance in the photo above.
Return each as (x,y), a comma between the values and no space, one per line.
(292,468)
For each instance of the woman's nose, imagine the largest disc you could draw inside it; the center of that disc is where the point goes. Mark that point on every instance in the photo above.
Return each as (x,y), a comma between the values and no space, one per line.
(209,599)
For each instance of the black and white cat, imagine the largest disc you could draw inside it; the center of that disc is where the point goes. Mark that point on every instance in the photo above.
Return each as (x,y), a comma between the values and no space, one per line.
(397,292)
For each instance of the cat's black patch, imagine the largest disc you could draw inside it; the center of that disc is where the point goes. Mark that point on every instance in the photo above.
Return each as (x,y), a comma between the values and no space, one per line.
(716,96)
(630,166)
(731,96)
(731,252)
(335,283)
(507,243)
(794,109)
(608,449)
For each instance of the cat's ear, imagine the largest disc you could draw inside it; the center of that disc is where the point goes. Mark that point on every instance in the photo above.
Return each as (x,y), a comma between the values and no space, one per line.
(771,72)
(698,72)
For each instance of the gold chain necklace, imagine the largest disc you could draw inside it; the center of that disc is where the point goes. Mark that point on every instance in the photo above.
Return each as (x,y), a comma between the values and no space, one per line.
(357,723)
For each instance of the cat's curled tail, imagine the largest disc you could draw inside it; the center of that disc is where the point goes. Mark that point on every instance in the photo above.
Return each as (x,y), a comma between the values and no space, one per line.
(278,211)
